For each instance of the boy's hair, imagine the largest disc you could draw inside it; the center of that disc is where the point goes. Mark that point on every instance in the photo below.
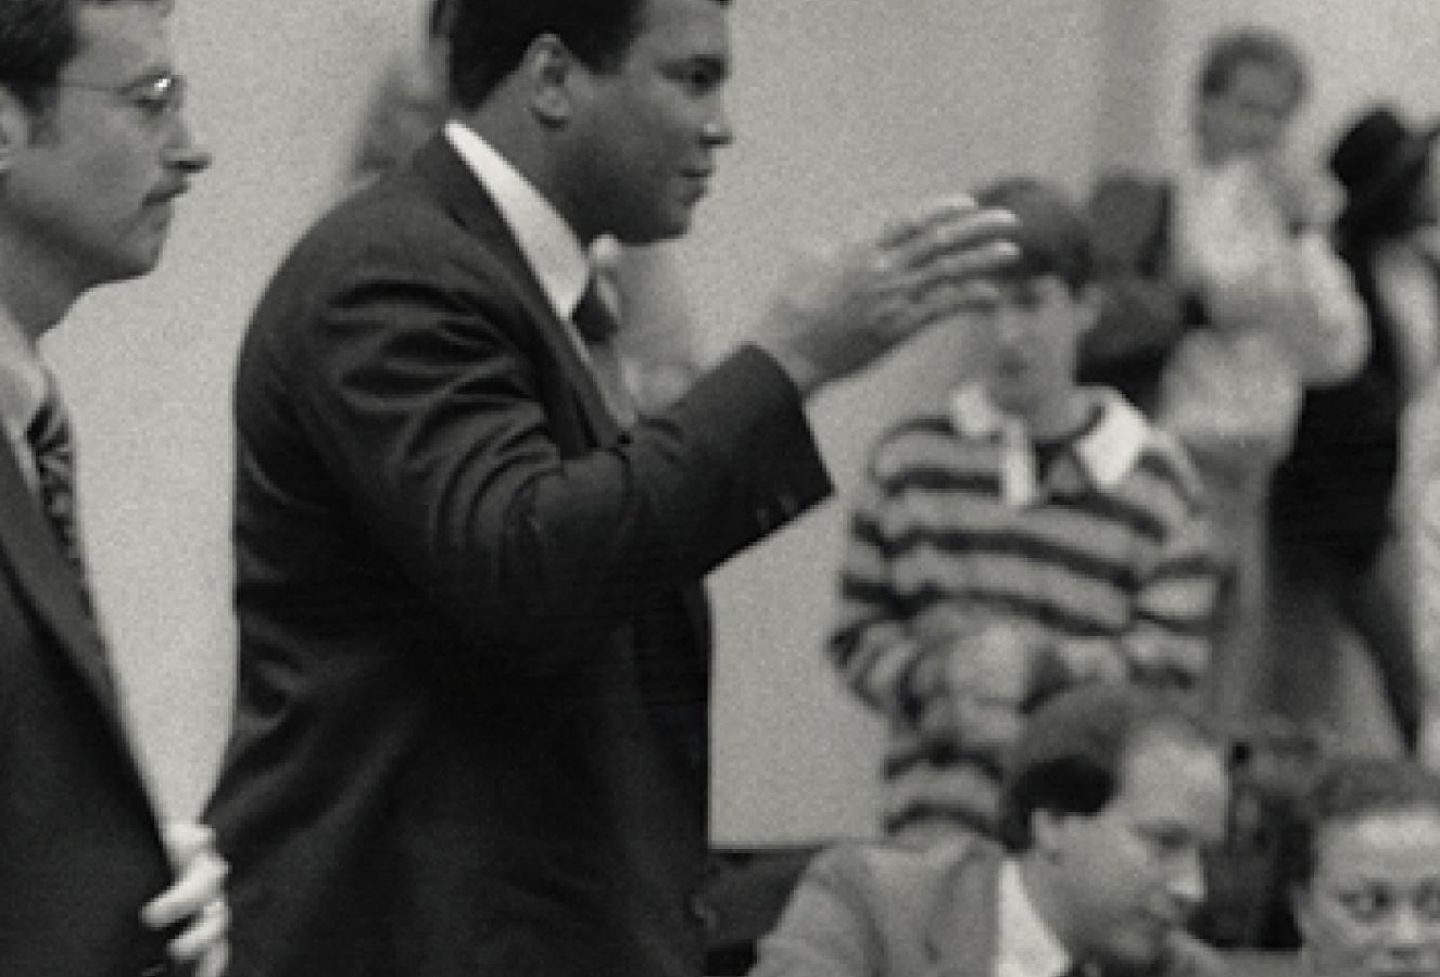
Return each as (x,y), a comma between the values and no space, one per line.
(1231,49)
(1053,236)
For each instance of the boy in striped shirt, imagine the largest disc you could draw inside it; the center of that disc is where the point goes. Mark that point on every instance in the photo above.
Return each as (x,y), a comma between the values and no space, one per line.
(1037,535)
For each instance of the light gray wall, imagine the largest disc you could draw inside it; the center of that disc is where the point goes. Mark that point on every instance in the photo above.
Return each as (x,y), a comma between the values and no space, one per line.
(844,108)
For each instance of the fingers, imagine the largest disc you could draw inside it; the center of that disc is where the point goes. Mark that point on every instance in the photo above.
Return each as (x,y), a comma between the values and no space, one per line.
(200,883)
(186,839)
(955,233)
(941,224)
(204,941)
(934,265)
(196,898)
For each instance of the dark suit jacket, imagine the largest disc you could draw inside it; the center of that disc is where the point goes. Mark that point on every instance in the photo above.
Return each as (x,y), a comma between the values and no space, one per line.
(80,851)
(471,734)
(882,910)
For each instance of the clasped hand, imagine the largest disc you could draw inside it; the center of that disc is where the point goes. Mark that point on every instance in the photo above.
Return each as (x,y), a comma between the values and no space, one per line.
(196,899)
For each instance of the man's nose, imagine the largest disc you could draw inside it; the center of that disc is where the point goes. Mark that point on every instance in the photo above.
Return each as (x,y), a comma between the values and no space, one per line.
(1187,880)
(184,153)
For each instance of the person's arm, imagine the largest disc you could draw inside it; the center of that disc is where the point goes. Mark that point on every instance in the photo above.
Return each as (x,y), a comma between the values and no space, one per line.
(1169,642)
(196,901)
(873,647)
(949,673)
(1427,617)
(428,387)
(1329,338)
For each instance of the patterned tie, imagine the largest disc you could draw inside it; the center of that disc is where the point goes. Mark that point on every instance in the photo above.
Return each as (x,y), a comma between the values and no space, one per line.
(50,440)
(598,326)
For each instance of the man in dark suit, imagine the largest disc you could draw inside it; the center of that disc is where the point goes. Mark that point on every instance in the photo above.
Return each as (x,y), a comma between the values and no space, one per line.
(93,151)
(1112,795)
(472,726)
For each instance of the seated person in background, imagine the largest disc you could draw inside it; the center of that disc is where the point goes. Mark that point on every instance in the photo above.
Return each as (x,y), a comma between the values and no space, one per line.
(1112,797)
(1366,891)
(1035,535)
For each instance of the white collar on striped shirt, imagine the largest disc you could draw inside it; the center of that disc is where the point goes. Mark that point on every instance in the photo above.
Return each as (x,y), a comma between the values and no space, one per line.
(1108,452)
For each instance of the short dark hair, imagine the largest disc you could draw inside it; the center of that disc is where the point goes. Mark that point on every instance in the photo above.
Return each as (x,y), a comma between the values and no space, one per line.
(1351,789)
(1053,236)
(488,38)
(1231,49)
(1070,756)
(38,38)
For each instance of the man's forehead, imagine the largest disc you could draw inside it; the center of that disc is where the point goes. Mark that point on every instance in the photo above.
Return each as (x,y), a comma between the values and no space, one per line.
(696,28)
(120,42)
(1171,776)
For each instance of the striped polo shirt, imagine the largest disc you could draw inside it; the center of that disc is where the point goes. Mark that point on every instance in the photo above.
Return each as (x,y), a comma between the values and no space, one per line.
(1098,568)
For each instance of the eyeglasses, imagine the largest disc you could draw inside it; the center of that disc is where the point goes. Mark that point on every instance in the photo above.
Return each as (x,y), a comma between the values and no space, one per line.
(160,97)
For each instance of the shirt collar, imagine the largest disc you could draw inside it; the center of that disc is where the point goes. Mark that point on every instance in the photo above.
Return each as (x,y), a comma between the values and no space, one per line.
(551,248)
(1025,945)
(1106,453)
(24,380)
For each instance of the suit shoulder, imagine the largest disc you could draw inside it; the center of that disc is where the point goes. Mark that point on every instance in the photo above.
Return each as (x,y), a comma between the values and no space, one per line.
(890,864)
(1190,957)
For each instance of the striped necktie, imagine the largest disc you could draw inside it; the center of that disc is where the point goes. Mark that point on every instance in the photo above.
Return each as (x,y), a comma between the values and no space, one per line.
(597,326)
(54,451)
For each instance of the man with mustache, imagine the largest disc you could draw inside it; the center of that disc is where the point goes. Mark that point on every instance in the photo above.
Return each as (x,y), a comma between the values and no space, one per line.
(93,151)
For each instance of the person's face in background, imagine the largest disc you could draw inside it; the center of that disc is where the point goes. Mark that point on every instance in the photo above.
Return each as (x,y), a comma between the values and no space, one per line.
(1372,908)
(645,133)
(1027,332)
(89,184)
(1249,117)
(1130,875)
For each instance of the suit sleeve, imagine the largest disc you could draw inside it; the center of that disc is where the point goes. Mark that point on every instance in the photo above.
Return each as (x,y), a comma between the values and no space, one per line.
(431,393)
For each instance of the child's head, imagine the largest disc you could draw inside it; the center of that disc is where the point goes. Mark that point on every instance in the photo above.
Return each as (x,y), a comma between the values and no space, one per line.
(1044,302)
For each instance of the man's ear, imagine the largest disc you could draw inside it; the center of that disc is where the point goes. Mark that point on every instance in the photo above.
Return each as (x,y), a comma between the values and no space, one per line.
(16,123)
(550,69)
(1089,301)
(1047,833)
(1301,912)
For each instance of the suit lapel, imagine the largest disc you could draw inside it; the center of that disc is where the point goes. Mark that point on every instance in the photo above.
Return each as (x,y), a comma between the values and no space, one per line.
(962,930)
(47,581)
(445,172)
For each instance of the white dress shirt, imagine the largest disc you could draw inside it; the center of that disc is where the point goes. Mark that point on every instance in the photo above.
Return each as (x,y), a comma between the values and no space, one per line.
(1024,945)
(550,247)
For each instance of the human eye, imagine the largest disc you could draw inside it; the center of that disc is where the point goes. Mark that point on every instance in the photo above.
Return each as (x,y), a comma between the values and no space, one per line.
(1428,901)
(1367,904)
(1163,841)
(157,97)
(700,76)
